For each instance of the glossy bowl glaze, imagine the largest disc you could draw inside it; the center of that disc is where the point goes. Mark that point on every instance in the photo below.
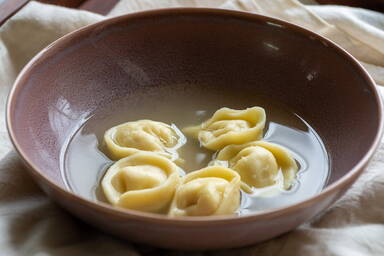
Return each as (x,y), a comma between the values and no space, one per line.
(88,69)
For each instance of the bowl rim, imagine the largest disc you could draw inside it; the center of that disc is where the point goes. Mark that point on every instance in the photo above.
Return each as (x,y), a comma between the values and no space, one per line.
(354,172)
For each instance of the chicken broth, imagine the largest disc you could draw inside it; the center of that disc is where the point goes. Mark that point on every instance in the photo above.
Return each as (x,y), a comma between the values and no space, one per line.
(85,162)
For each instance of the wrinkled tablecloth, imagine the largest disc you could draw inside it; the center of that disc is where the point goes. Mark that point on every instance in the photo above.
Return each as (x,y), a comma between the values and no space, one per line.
(31,224)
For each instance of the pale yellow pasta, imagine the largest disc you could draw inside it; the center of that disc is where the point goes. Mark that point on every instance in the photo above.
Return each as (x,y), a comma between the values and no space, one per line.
(210,191)
(143,135)
(229,126)
(259,163)
(144,181)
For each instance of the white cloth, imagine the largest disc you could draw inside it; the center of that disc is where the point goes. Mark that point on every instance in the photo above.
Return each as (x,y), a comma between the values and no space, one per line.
(30,224)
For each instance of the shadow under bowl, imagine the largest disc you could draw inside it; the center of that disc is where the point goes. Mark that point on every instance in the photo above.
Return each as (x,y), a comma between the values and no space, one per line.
(85,71)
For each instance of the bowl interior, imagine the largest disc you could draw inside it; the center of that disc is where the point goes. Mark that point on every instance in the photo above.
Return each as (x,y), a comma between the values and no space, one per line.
(148,55)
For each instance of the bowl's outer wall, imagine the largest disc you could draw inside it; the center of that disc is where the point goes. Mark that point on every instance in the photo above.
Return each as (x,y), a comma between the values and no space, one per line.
(86,71)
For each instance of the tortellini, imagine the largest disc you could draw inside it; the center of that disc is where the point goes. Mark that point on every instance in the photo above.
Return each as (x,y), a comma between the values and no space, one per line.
(259,163)
(229,126)
(144,181)
(209,191)
(143,135)
(147,178)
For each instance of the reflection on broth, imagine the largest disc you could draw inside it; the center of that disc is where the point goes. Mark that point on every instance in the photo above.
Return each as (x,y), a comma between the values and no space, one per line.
(85,162)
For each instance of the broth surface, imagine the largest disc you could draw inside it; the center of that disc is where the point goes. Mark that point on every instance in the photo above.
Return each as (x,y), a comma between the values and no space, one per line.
(84,163)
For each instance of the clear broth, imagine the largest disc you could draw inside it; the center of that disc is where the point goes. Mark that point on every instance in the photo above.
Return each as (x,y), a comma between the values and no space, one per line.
(84,162)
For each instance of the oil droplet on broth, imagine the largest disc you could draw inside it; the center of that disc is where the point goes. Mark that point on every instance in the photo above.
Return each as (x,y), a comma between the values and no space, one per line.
(84,162)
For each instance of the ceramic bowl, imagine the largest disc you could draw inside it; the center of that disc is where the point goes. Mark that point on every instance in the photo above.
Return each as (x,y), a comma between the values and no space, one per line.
(85,71)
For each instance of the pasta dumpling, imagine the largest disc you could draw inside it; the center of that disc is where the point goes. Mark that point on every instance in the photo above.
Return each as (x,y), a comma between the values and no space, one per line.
(259,164)
(143,135)
(144,181)
(229,126)
(209,191)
